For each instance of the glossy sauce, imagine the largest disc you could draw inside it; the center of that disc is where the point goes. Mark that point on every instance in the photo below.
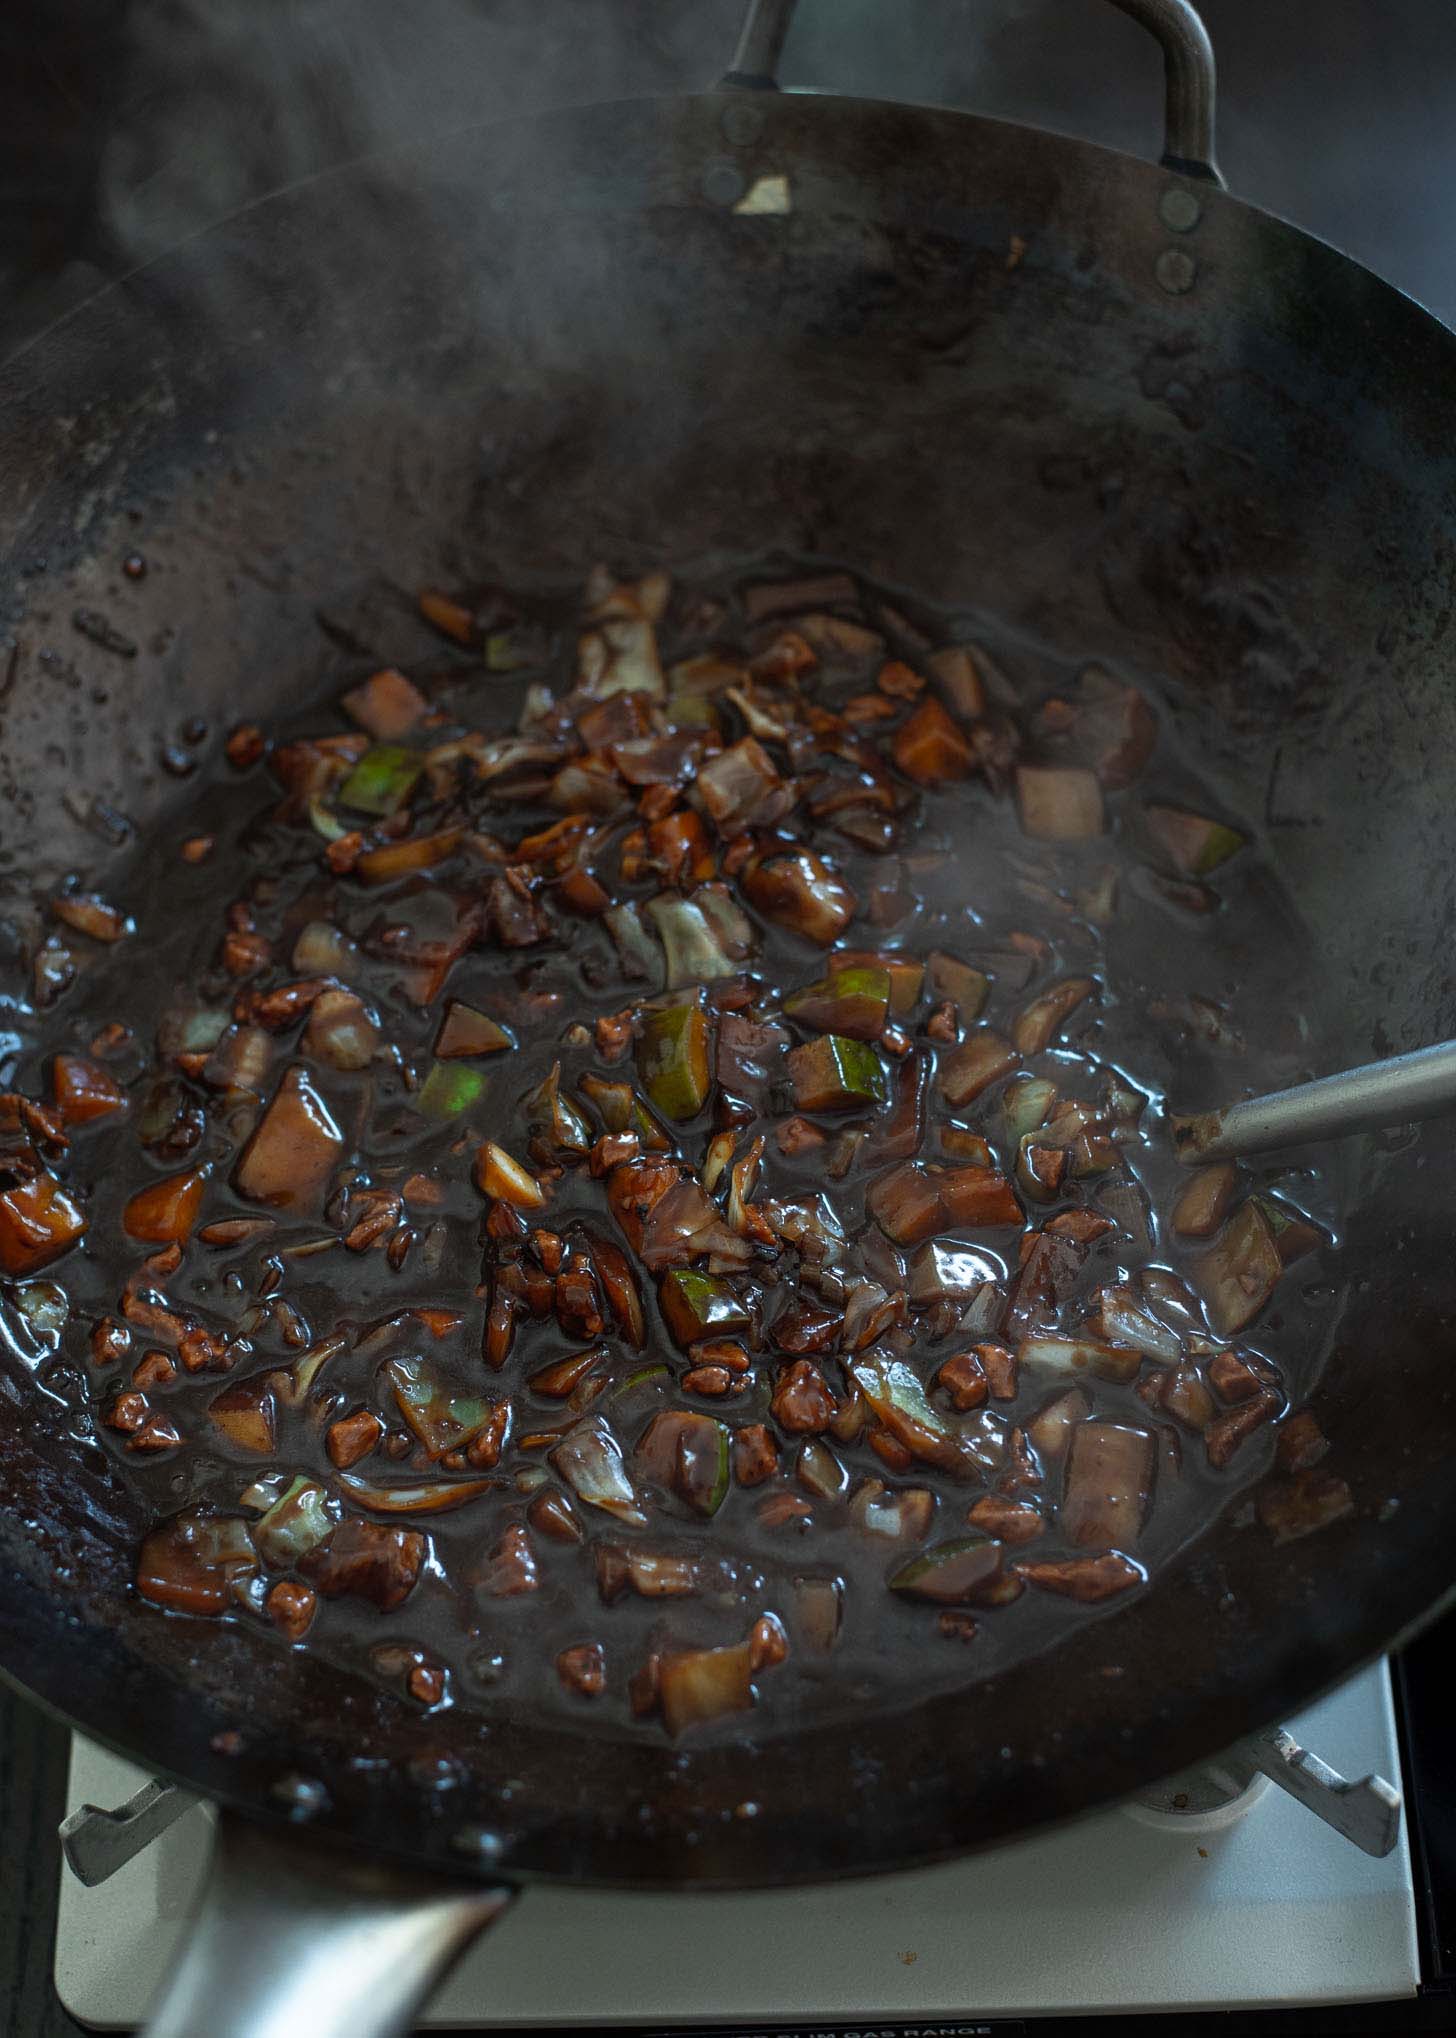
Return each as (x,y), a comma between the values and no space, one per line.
(1190,993)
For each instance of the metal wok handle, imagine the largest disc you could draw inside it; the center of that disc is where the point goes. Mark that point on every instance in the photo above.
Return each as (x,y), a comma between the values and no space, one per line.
(296,1937)
(1188,71)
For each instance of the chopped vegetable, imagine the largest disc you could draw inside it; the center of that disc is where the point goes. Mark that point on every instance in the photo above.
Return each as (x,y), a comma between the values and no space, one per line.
(589,1459)
(1206,1200)
(1108,1486)
(443,1421)
(496,1174)
(799,891)
(83,1091)
(951,1574)
(297,1518)
(192,1562)
(247,1415)
(386,705)
(696,1305)
(39,1220)
(905,972)
(692,949)
(979,1061)
(294,1149)
(1040,1021)
(674,1055)
(968,988)
(895,1394)
(1193,843)
(1088,1579)
(931,748)
(852,1001)
(688,1454)
(382,780)
(1059,804)
(1079,1355)
(1240,1270)
(464,1031)
(166,1210)
(341,1030)
(836,1074)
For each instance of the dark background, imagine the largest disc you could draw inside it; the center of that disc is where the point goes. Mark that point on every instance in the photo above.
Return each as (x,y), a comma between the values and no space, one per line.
(127,124)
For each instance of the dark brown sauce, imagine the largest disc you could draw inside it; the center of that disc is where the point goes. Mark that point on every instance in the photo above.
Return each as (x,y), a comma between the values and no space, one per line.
(963,879)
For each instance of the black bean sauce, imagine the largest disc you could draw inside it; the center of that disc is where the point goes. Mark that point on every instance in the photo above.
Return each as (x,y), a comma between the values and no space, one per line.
(960,1377)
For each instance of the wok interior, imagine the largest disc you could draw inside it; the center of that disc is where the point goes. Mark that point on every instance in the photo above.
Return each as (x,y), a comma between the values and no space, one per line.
(519,351)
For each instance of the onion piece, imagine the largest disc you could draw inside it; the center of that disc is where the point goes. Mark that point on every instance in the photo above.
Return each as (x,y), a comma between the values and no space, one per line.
(903,1515)
(589,1459)
(430,1497)
(638,953)
(1073,1355)
(897,1397)
(556,1119)
(1193,843)
(1050,1429)
(496,1174)
(693,954)
(341,1030)
(1125,1323)
(297,1518)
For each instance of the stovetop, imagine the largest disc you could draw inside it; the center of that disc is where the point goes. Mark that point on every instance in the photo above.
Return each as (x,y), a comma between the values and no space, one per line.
(1255,1904)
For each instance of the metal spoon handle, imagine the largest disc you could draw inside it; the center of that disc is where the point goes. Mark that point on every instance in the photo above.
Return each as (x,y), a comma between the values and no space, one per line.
(1394,1092)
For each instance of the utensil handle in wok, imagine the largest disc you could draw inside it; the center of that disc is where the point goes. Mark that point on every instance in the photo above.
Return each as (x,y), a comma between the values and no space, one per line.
(1400,1091)
(296,1937)
(1188,71)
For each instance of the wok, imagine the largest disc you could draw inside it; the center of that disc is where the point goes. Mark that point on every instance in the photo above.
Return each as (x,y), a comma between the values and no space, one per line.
(1135,417)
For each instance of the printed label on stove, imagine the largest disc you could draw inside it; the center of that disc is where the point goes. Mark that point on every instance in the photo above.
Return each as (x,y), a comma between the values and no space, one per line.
(1000,2027)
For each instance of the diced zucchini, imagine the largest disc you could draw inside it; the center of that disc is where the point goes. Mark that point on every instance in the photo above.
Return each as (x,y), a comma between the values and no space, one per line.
(450,1089)
(833,1073)
(382,780)
(1193,843)
(698,1305)
(952,1573)
(853,1002)
(674,1057)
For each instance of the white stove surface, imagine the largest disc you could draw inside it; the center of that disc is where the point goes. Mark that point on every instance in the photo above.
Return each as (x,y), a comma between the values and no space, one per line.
(1121,1912)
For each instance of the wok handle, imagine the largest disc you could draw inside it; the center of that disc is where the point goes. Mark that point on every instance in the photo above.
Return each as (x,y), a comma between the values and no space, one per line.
(294,1936)
(1188,71)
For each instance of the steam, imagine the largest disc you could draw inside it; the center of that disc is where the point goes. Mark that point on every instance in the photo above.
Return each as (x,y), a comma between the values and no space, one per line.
(225,104)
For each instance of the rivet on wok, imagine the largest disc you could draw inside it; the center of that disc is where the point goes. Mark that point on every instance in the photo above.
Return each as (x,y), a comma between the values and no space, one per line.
(722,182)
(1175,270)
(1179,210)
(742,123)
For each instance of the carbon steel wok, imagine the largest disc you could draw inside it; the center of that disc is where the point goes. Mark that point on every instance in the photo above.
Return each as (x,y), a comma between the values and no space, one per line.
(1175,434)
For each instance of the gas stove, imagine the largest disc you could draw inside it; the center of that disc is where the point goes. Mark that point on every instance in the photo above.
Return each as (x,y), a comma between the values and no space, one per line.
(1219,1891)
